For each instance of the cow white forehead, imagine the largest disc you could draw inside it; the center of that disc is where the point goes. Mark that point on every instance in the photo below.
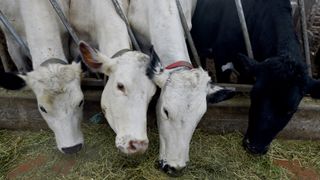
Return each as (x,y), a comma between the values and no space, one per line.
(134,57)
(54,77)
(195,78)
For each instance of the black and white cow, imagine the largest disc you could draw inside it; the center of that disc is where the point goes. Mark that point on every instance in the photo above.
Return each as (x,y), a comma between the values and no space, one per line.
(279,70)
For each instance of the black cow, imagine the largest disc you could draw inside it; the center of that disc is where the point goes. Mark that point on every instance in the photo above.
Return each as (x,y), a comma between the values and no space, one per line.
(11,81)
(279,70)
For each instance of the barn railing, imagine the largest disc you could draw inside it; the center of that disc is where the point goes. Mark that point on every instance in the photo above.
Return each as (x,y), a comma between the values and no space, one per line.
(312,11)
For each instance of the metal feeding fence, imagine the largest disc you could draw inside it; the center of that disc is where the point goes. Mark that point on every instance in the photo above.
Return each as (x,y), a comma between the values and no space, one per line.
(306,16)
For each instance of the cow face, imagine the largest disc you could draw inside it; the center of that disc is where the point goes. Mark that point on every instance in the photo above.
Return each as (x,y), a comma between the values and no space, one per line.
(281,83)
(125,97)
(181,105)
(60,100)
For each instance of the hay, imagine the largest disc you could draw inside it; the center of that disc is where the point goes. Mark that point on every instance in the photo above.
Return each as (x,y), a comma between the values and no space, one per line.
(212,157)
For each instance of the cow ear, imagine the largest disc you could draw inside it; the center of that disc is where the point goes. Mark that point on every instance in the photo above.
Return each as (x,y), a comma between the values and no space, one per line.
(155,70)
(313,88)
(218,94)
(249,64)
(94,59)
(12,81)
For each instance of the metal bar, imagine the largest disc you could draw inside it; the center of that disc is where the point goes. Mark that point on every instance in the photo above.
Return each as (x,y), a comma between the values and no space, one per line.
(5,64)
(188,34)
(124,18)
(244,28)
(15,35)
(67,25)
(305,36)
(92,82)
(64,20)
(238,87)
(4,59)
(22,66)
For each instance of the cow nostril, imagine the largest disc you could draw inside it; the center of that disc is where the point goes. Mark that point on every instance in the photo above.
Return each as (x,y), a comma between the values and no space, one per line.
(132,145)
(171,171)
(138,146)
(73,149)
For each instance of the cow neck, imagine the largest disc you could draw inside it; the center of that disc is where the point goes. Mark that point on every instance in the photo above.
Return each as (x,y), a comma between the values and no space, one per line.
(53,61)
(179,64)
(120,53)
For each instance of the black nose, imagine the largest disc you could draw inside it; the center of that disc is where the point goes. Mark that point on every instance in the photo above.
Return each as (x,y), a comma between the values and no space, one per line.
(171,171)
(254,150)
(73,149)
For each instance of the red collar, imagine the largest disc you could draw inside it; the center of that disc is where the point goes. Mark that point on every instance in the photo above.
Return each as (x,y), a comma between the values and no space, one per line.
(180,64)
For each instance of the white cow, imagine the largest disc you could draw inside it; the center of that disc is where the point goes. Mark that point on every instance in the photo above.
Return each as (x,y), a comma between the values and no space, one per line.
(182,102)
(127,94)
(128,91)
(55,84)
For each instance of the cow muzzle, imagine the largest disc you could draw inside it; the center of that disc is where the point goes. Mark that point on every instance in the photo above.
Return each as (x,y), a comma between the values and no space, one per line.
(132,146)
(170,170)
(73,149)
(253,149)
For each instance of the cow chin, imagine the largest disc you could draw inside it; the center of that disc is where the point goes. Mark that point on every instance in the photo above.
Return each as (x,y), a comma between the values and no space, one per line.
(254,149)
(69,143)
(170,170)
(174,152)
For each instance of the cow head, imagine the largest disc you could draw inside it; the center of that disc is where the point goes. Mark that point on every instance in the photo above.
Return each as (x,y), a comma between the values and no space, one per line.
(60,100)
(181,105)
(281,83)
(125,97)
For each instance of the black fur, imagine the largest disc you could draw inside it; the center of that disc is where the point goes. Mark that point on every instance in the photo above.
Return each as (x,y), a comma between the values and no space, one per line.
(314,88)
(154,64)
(11,81)
(281,77)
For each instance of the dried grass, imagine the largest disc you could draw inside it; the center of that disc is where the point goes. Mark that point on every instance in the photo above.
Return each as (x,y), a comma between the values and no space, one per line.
(212,157)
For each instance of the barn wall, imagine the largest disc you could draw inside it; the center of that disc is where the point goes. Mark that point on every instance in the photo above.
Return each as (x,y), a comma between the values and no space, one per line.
(18,110)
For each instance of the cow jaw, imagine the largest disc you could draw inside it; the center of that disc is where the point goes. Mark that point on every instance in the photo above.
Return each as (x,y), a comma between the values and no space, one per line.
(60,102)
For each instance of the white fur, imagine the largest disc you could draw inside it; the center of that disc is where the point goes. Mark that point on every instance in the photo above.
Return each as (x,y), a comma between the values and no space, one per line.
(183,92)
(157,23)
(56,86)
(125,111)
(184,98)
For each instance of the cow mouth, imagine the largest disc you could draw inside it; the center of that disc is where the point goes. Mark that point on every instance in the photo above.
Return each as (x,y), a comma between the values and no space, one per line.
(253,149)
(170,170)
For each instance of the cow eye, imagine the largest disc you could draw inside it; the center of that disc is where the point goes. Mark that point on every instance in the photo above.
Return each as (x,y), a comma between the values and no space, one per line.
(81,103)
(43,109)
(120,86)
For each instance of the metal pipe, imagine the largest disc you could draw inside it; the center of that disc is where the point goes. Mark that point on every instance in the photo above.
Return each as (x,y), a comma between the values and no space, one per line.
(188,34)
(4,59)
(305,36)
(64,20)
(24,66)
(124,18)
(13,32)
(244,28)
